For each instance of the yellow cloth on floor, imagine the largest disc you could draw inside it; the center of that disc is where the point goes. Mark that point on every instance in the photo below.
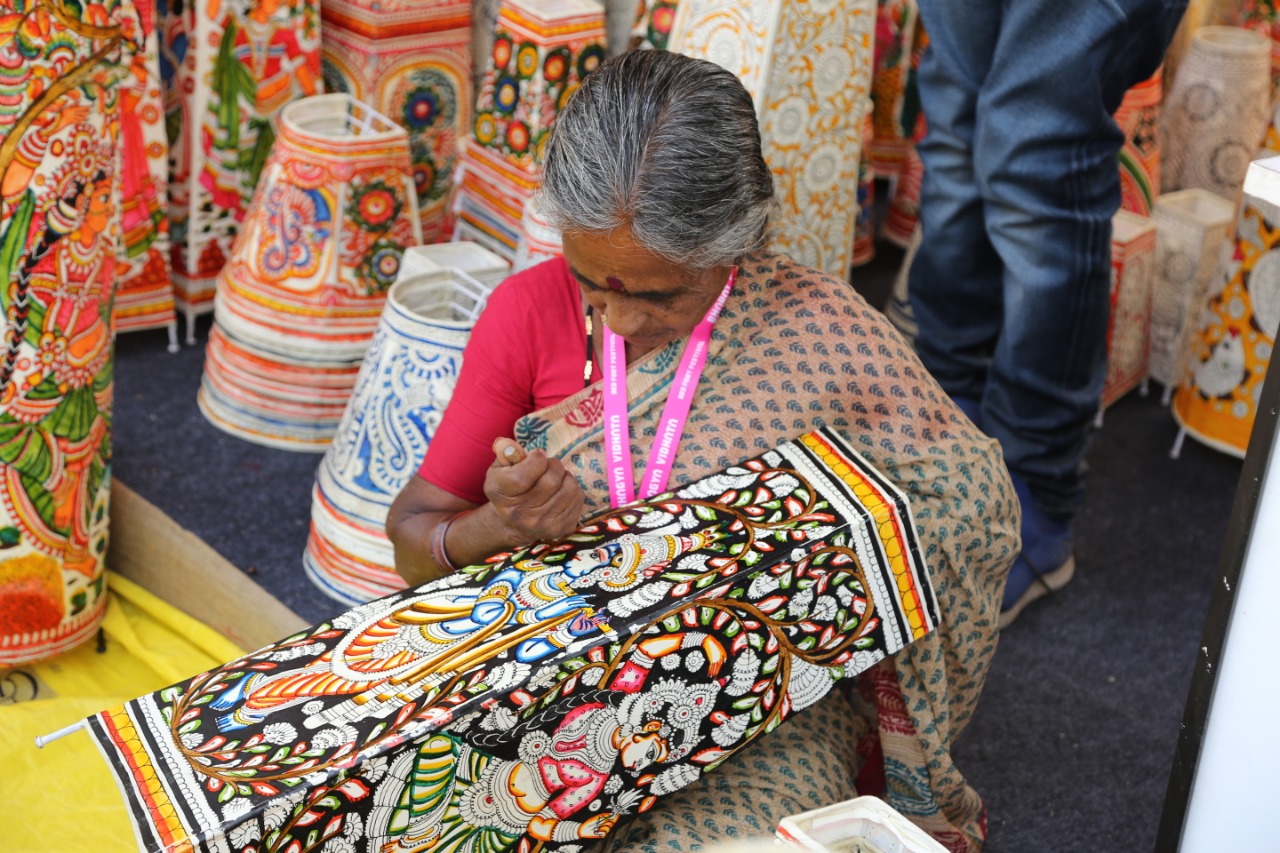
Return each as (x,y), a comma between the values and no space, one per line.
(63,799)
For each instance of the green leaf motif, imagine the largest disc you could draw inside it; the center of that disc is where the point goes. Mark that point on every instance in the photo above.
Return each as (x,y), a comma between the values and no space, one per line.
(73,418)
(15,240)
(24,448)
(41,500)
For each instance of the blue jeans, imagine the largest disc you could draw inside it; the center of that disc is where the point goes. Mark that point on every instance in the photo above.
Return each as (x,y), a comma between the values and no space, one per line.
(1011,284)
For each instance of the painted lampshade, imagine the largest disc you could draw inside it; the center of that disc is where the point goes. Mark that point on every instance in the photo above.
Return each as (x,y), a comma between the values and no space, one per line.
(303,291)
(1262,17)
(144,285)
(1216,112)
(652,28)
(412,61)
(1191,227)
(541,52)
(807,65)
(893,113)
(475,260)
(59,233)
(1133,249)
(401,393)
(1230,344)
(1139,121)
(903,215)
(539,241)
(229,69)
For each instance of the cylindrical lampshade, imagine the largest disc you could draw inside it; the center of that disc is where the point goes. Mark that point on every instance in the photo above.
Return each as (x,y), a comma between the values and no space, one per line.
(903,217)
(1217,111)
(475,260)
(892,73)
(302,293)
(404,385)
(1227,353)
(1139,120)
(144,283)
(1191,226)
(1133,247)
(59,234)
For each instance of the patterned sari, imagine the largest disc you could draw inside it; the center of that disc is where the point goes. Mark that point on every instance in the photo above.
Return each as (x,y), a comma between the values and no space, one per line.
(795,350)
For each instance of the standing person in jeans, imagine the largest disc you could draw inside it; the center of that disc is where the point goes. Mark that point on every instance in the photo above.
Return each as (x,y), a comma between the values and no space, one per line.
(1011,283)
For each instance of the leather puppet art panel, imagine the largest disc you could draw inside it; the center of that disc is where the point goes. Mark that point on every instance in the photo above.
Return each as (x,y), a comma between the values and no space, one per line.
(533,702)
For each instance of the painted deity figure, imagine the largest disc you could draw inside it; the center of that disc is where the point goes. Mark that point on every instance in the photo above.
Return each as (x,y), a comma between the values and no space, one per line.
(54,402)
(624,562)
(565,786)
(530,609)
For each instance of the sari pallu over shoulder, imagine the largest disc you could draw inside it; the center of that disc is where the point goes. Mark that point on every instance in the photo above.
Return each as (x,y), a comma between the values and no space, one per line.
(795,350)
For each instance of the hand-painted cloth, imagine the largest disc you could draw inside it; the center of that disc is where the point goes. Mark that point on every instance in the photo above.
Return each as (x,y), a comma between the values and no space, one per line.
(795,350)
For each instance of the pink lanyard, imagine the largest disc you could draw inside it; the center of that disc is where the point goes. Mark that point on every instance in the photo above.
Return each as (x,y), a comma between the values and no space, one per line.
(617,425)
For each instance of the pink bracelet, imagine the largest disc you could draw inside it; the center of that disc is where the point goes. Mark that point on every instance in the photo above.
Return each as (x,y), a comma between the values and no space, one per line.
(437,543)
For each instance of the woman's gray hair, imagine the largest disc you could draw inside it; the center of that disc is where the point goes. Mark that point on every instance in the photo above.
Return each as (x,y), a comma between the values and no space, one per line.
(667,146)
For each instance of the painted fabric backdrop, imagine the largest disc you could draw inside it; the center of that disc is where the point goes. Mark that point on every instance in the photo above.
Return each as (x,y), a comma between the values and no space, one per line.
(811,95)
(60,98)
(534,702)
(229,68)
(412,62)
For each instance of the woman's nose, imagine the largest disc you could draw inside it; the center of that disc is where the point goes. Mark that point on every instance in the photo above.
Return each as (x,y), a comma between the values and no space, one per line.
(623,319)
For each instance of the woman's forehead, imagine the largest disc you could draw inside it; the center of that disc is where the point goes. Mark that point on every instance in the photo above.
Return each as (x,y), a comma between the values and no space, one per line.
(615,261)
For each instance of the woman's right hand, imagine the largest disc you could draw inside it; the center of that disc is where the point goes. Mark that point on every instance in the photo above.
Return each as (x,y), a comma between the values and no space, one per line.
(533,497)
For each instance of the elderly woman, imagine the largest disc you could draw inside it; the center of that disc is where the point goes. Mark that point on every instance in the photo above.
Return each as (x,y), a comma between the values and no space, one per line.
(655,176)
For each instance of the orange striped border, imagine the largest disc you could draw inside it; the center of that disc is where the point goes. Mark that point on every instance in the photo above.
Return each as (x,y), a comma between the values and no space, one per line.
(146,784)
(535,29)
(888,527)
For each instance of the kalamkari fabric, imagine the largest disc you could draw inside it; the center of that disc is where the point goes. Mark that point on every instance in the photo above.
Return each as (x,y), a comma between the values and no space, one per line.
(532,702)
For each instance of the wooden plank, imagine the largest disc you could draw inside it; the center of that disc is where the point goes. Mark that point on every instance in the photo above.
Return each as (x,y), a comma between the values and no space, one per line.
(151,549)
